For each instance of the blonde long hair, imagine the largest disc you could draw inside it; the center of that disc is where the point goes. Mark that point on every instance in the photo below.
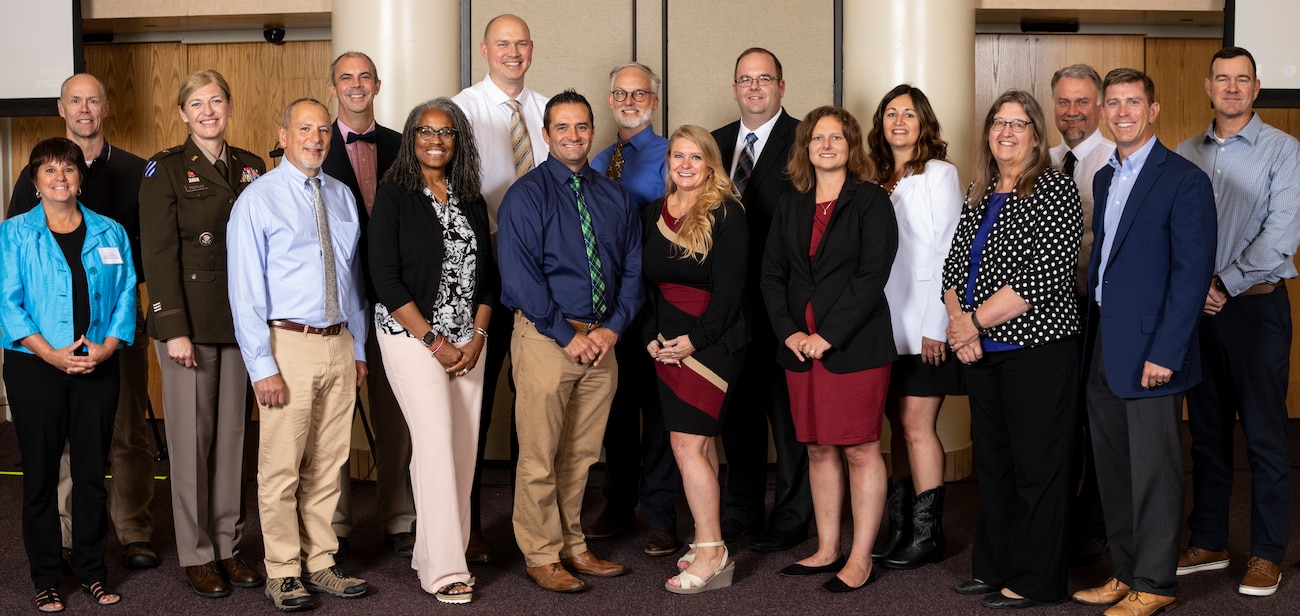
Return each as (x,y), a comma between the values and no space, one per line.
(695,238)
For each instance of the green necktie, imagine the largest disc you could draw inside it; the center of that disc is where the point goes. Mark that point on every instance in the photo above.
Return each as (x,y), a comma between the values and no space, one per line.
(593,257)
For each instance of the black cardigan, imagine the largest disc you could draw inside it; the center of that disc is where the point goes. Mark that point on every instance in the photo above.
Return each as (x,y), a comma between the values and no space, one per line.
(845,280)
(406,250)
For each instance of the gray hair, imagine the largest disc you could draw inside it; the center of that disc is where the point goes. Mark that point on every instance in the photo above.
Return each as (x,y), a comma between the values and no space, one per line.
(1079,71)
(655,81)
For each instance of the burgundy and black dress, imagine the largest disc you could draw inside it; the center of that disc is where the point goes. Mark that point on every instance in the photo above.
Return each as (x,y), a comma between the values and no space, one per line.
(703,299)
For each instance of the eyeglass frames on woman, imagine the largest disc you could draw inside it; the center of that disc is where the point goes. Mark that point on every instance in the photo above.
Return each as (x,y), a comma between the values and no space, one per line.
(428,132)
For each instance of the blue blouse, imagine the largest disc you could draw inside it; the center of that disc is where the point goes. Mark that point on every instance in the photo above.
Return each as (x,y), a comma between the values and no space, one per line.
(996,201)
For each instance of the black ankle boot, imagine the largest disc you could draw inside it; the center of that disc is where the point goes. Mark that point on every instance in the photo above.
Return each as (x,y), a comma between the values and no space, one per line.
(927,544)
(898,506)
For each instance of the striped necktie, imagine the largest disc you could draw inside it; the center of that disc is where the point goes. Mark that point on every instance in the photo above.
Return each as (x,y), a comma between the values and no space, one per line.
(615,170)
(326,252)
(593,256)
(745,165)
(519,141)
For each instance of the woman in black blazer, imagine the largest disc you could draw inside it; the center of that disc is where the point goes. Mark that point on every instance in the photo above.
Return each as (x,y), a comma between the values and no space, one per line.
(433,271)
(828,255)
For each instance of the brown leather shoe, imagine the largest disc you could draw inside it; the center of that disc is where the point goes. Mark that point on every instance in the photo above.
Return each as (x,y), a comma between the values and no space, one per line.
(662,542)
(1106,594)
(207,581)
(554,578)
(586,563)
(1194,559)
(1262,577)
(477,553)
(240,574)
(1138,603)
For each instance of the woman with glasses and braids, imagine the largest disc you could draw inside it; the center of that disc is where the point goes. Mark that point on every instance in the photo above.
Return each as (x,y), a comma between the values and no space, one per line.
(432,266)
(1013,323)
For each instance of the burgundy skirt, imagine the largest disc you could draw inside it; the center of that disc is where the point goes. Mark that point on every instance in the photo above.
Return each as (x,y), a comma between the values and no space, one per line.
(837,409)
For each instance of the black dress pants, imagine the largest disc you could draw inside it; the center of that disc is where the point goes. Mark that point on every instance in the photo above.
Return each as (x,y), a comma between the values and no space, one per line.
(1023,406)
(51,408)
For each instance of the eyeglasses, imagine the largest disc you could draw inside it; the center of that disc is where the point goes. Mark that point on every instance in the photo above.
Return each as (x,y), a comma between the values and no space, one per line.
(1017,126)
(637,95)
(763,80)
(428,132)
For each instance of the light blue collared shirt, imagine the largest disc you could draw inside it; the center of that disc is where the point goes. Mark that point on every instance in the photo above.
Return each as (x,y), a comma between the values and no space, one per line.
(276,270)
(1256,179)
(1121,184)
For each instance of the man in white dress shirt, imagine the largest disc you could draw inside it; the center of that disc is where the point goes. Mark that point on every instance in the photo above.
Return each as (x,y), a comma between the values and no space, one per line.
(507,121)
(1076,94)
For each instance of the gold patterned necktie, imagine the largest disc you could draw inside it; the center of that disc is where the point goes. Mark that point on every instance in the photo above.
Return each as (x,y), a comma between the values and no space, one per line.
(326,252)
(519,141)
(615,170)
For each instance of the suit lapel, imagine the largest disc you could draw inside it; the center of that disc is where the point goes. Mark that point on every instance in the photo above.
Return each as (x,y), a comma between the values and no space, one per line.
(772,150)
(803,218)
(841,201)
(727,143)
(1136,197)
(338,155)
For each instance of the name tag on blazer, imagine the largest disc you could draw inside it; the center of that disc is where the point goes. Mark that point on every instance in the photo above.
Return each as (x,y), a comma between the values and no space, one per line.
(109,255)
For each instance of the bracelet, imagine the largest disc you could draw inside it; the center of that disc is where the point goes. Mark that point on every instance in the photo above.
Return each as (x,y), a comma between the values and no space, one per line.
(438,347)
(482,332)
(976,322)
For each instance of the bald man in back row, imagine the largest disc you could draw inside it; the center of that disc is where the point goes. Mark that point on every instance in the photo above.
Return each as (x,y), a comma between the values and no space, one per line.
(507,120)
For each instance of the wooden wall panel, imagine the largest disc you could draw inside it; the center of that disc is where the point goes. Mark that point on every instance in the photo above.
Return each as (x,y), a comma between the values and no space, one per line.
(263,79)
(1178,68)
(1027,62)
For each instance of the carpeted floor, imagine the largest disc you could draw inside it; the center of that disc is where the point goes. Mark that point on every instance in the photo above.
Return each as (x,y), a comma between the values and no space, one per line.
(505,589)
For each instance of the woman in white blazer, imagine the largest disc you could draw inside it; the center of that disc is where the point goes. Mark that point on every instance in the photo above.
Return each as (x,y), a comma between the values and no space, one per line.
(909,157)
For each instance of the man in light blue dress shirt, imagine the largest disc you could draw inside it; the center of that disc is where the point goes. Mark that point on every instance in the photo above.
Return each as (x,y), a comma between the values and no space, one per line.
(300,319)
(1246,330)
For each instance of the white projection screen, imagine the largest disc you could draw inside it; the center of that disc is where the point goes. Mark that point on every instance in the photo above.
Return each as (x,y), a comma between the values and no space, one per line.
(40,41)
(1267,28)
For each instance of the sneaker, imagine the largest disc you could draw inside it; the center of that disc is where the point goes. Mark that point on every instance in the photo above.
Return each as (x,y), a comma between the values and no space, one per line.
(335,581)
(287,594)
(1194,559)
(1262,577)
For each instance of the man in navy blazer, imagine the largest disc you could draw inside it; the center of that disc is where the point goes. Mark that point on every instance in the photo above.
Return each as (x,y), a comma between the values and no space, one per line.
(1154,251)
(363,150)
(760,394)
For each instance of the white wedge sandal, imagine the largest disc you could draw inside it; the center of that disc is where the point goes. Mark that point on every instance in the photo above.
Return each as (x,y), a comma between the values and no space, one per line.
(691,584)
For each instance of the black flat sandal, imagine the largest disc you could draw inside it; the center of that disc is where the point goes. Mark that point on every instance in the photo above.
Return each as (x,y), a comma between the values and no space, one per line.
(101,593)
(46,599)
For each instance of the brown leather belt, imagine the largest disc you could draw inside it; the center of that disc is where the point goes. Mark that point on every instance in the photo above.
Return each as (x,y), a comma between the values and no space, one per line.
(1263,288)
(583,327)
(332,330)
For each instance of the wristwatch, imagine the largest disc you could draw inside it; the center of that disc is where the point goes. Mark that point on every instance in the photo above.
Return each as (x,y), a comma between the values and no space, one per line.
(429,338)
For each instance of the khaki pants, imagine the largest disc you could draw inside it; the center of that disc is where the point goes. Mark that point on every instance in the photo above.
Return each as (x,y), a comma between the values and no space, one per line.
(301,446)
(560,412)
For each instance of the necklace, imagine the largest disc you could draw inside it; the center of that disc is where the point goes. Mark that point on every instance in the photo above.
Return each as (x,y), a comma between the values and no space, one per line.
(826,207)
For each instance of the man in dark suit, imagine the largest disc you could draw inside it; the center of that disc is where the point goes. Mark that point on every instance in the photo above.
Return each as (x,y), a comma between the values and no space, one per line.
(757,156)
(1154,249)
(362,152)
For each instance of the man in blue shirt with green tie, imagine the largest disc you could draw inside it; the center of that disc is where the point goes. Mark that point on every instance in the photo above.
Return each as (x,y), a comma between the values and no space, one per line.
(569,244)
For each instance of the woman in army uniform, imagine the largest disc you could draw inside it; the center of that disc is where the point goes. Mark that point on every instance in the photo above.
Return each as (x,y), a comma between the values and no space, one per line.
(185,201)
